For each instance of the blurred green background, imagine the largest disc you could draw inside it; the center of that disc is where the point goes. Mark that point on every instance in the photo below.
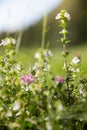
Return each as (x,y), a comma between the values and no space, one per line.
(77,25)
(31,37)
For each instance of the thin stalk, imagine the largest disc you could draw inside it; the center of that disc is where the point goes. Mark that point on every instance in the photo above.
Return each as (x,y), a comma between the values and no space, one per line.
(19,38)
(44,31)
(67,80)
(4,105)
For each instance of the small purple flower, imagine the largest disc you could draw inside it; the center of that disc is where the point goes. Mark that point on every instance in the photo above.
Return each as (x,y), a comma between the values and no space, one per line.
(59,80)
(27,79)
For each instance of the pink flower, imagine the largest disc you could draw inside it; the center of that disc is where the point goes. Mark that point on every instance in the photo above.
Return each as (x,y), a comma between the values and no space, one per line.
(59,80)
(27,79)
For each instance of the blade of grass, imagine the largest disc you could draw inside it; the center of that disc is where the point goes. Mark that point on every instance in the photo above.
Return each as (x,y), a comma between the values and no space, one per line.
(44,31)
(19,38)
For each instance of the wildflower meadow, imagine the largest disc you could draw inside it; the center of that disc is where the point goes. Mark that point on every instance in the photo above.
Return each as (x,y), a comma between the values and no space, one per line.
(35,98)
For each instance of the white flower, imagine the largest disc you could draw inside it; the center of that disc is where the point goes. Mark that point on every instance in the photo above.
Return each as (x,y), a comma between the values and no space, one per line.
(35,66)
(27,88)
(18,67)
(75,60)
(37,55)
(45,53)
(60,107)
(67,15)
(58,16)
(50,53)
(17,114)
(48,126)
(2,42)
(72,69)
(46,67)
(64,31)
(7,41)
(81,91)
(13,41)
(9,114)
(16,105)
(27,112)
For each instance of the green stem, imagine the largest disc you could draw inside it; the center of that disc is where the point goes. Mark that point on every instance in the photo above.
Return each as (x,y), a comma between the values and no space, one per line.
(19,40)
(44,31)
(4,105)
(67,80)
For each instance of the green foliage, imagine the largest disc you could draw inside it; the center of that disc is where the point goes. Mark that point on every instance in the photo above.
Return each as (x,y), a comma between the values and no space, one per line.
(37,99)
